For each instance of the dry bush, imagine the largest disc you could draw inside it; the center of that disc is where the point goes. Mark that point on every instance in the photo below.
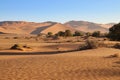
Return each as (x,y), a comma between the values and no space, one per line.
(15,37)
(69,41)
(19,47)
(117,45)
(79,41)
(117,55)
(91,44)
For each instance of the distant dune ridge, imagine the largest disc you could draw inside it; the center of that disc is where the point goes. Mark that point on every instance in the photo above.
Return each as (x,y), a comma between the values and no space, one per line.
(89,26)
(23,27)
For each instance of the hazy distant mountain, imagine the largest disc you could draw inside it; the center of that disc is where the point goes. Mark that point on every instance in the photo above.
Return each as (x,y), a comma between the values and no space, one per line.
(107,25)
(88,26)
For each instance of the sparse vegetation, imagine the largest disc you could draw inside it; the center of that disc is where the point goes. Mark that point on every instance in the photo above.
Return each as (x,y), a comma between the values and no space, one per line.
(117,45)
(114,33)
(19,47)
(90,44)
(96,34)
(117,55)
(88,34)
(50,34)
(68,33)
(61,33)
(15,37)
(77,33)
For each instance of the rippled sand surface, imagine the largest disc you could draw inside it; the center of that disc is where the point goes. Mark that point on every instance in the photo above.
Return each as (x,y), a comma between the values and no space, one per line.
(81,65)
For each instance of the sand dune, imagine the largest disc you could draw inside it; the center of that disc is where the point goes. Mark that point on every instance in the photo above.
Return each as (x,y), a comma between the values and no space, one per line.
(86,26)
(56,28)
(21,27)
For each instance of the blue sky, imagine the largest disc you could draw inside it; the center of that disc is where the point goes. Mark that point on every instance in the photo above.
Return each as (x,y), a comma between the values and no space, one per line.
(100,11)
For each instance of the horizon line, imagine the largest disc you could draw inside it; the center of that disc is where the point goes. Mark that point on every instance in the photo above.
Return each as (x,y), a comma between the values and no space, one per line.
(57,21)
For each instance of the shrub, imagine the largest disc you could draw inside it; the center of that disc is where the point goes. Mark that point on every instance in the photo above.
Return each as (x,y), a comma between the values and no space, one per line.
(17,47)
(117,55)
(88,34)
(68,33)
(96,34)
(15,37)
(90,44)
(114,32)
(50,34)
(77,33)
(69,41)
(61,33)
(55,37)
(117,45)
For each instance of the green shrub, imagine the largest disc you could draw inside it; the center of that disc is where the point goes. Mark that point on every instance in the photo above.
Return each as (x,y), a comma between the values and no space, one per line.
(68,33)
(50,34)
(61,33)
(77,33)
(114,33)
(96,34)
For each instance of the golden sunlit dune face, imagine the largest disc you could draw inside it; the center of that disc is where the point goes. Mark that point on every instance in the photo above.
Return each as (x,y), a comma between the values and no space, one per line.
(56,28)
(21,27)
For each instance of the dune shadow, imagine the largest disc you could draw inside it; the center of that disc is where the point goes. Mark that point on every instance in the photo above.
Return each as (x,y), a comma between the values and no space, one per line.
(40,29)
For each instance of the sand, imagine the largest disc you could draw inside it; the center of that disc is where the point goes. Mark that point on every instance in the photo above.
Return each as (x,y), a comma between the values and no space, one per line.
(80,65)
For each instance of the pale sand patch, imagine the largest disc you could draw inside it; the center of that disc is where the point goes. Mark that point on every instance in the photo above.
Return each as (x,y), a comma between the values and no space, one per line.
(81,65)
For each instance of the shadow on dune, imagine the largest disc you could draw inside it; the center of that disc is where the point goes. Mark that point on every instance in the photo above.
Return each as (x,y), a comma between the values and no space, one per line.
(40,29)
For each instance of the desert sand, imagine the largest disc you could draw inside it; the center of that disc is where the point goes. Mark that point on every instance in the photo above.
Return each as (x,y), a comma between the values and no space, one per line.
(80,65)
(53,60)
